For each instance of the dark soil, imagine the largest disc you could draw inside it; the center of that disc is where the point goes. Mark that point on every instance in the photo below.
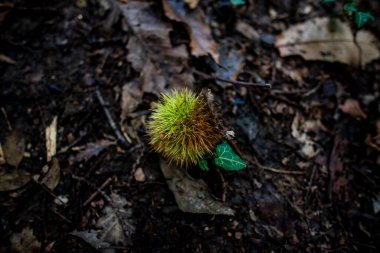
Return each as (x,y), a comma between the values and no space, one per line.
(285,201)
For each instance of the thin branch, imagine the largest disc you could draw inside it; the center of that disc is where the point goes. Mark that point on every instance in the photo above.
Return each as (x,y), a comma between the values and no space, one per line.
(123,139)
(207,76)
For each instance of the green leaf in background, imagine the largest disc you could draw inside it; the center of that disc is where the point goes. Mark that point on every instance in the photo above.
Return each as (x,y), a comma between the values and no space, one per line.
(350,7)
(237,2)
(227,159)
(363,17)
(203,165)
(327,1)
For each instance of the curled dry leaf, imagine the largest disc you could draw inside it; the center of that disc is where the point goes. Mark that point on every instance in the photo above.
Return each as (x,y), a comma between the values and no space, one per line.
(150,51)
(191,195)
(93,149)
(329,39)
(352,107)
(51,139)
(14,147)
(25,242)
(52,175)
(202,42)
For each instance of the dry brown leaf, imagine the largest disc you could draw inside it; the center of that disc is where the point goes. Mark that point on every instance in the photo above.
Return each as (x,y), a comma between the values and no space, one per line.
(52,175)
(161,65)
(191,195)
(352,107)
(329,39)
(202,42)
(93,149)
(12,180)
(25,242)
(51,139)
(14,147)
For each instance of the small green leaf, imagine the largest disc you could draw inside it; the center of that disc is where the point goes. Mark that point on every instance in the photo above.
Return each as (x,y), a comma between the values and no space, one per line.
(203,165)
(227,159)
(363,17)
(350,7)
(237,2)
(328,1)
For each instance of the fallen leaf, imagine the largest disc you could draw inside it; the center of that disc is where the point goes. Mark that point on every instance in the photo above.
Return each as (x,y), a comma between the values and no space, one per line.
(25,242)
(91,237)
(52,175)
(51,139)
(202,42)
(139,175)
(329,39)
(2,158)
(13,179)
(309,148)
(247,31)
(231,62)
(93,149)
(116,225)
(151,53)
(352,107)
(191,195)
(338,180)
(14,147)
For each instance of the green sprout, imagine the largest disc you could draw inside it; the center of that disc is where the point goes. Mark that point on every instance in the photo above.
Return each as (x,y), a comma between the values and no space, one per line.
(185,129)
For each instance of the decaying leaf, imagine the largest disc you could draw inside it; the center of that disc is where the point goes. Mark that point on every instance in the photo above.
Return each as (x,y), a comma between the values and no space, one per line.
(191,195)
(352,107)
(93,149)
(2,158)
(130,99)
(309,148)
(91,237)
(202,42)
(14,147)
(51,139)
(52,175)
(231,62)
(151,51)
(25,242)
(329,39)
(116,225)
(338,179)
(13,180)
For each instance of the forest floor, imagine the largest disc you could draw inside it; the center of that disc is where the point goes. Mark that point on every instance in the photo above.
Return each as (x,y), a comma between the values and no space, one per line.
(77,174)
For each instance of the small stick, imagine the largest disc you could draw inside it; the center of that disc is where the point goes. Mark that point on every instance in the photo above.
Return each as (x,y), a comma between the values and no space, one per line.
(122,138)
(207,76)
(6,118)
(98,191)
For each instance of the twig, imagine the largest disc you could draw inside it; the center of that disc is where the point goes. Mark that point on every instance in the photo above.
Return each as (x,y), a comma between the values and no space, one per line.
(98,191)
(122,138)
(291,172)
(207,76)
(6,118)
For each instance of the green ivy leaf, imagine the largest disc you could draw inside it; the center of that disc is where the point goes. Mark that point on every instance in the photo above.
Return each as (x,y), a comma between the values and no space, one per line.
(350,7)
(363,17)
(237,2)
(203,165)
(227,159)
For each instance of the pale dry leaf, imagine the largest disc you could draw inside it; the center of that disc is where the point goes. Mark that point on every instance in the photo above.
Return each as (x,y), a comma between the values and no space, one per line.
(352,107)
(25,242)
(13,179)
(328,39)
(6,59)
(51,139)
(151,52)
(52,175)
(247,31)
(139,175)
(93,149)
(14,147)
(192,196)
(309,148)
(201,40)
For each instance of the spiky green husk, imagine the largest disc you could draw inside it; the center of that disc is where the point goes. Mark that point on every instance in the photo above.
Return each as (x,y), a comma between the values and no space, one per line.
(183,127)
